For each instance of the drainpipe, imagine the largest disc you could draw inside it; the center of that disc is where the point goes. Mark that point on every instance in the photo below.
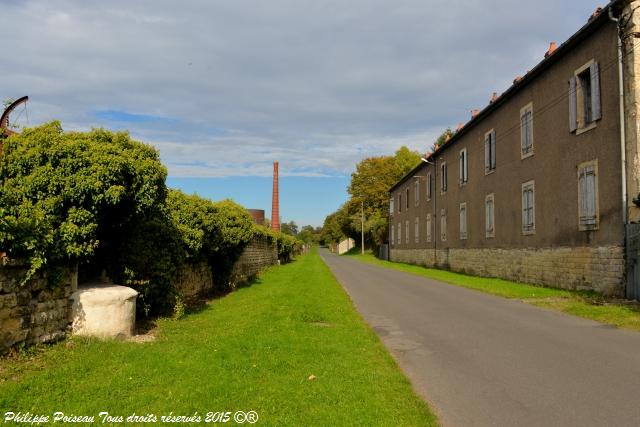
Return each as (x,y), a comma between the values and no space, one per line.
(623,152)
(630,286)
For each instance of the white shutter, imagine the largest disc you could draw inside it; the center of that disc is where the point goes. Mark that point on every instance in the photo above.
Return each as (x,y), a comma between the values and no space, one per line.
(492,143)
(573,105)
(596,110)
(487,153)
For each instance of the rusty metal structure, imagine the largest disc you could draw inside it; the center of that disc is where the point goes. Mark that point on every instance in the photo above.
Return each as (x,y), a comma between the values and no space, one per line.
(5,130)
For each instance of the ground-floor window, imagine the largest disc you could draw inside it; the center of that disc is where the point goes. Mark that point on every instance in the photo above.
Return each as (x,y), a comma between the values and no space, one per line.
(463,221)
(528,208)
(443,225)
(489,216)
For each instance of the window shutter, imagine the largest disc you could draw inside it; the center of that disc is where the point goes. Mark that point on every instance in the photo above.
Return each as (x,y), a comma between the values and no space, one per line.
(493,150)
(596,109)
(573,105)
(487,153)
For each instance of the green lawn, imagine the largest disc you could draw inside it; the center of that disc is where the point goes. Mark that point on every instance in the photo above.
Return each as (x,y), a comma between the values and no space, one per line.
(254,349)
(584,304)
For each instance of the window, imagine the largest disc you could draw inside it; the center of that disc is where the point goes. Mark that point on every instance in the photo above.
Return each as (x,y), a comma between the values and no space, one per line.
(584,98)
(489,216)
(428,227)
(443,177)
(526,131)
(489,151)
(393,234)
(417,230)
(407,197)
(528,208)
(588,195)
(464,167)
(416,186)
(399,233)
(406,232)
(443,225)
(429,186)
(391,206)
(399,202)
(463,221)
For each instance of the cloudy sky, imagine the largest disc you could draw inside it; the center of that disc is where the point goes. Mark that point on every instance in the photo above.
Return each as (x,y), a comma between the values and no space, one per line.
(223,88)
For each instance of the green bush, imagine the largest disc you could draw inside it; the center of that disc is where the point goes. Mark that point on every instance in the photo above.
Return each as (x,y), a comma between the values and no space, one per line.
(66,195)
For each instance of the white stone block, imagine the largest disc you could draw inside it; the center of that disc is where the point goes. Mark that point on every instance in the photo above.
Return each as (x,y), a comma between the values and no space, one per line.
(103,311)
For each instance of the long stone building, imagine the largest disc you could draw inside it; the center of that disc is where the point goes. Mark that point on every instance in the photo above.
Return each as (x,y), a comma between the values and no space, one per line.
(542,185)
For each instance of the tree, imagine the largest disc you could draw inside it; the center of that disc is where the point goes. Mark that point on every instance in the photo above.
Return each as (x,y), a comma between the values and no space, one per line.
(67,196)
(290,228)
(369,187)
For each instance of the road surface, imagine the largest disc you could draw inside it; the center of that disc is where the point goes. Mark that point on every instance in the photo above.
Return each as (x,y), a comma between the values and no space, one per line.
(482,360)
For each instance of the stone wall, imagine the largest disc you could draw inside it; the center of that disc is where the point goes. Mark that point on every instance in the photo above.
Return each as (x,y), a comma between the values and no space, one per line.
(258,255)
(196,280)
(582,268)
(32,313)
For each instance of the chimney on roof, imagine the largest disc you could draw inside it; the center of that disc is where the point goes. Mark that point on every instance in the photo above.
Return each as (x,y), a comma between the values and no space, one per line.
(447,137)
(552,48)
(517,79)
(494,97)
(474,113)
(460,126)
(595,14)
(275,201)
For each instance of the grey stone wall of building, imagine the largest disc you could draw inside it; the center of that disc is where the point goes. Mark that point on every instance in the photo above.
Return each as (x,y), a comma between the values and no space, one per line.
(34,312)
(196,280)
(601,269)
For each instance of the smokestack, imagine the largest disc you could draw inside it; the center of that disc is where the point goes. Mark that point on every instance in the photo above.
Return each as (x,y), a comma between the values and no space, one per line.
(275,201)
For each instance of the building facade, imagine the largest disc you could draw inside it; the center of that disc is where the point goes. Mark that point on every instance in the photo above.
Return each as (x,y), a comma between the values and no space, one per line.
(539,186)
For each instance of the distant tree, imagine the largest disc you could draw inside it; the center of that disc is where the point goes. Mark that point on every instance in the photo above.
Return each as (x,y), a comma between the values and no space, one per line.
(442,139)
(307,234)
(369,189)
(290,228)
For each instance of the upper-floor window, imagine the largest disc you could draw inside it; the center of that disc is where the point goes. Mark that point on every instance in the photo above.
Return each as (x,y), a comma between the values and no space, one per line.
(584,98)
(464,166)
(416,186)
(489,151)
(429,226)
(391,206)
(393,235)
(443,177)
(429,186)
(489,216)
(407,197)
(528,208)
(588,195)
(463,221)
(526,131)
(399,202)
(443,225)
(416,231)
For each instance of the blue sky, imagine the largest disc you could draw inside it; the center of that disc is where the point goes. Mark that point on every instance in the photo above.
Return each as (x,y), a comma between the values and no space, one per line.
(222,88)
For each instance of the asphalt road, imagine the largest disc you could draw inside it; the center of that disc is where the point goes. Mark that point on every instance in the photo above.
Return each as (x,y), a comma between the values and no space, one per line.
(481,360)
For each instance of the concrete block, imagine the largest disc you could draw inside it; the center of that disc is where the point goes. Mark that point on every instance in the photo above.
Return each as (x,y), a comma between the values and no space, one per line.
(103,311)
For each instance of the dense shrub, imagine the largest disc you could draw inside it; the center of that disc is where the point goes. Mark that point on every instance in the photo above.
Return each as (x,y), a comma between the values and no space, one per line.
(65,195)
(99,199)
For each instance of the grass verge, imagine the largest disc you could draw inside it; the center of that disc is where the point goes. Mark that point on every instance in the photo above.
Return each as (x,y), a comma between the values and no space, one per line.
(255,349)
(621,313)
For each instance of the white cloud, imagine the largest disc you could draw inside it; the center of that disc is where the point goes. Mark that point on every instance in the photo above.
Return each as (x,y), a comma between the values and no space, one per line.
(316,85)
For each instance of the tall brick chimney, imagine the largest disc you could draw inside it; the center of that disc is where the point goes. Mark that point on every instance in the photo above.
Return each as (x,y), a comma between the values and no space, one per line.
(275,201)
